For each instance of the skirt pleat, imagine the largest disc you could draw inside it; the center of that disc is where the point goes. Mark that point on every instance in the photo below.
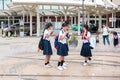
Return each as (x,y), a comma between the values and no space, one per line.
(47,48)
(62,49)
(86,50)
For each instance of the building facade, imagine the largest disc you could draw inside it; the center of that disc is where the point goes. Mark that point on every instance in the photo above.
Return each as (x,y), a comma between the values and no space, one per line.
(50,12)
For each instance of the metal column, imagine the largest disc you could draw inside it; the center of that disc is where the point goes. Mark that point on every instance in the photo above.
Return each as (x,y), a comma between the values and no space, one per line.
(78,22)
(30,23)
(38,24)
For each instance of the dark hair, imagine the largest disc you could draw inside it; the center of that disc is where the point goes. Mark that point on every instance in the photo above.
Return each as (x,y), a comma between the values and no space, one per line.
(86,27)
(64,24)
(114,33)
(67,22)
(48,25)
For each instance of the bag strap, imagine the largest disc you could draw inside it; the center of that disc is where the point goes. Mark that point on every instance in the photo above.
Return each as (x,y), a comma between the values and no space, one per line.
(59,33)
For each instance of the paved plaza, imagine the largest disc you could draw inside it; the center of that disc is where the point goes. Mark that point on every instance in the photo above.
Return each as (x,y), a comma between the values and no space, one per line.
(19,60)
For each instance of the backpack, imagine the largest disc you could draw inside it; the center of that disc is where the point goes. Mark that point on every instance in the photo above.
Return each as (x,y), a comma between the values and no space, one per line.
(41,43)
(56,41)
(92,42)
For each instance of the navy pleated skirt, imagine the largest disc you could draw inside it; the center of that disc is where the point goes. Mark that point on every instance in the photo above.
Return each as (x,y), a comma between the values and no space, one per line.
(86,50)
(62,49)
(115,42)
(47,48)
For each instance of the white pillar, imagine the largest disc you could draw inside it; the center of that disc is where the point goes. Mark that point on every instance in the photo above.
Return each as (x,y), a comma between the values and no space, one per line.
(56,22)
(13,20)
(78,22)
(30,23)
(48,18)
(112,19)
(61,18)
(100,22)
(42,22)
(107,21)
(88,19)
(71,20)
(27,17)
(95,19)
(65,16)
(8,21)
(85,20)
(38,24)
(74,19)
(23,16)
(23,20)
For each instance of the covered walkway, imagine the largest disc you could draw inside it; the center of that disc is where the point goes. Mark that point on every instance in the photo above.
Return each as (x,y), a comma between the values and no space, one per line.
(63,10)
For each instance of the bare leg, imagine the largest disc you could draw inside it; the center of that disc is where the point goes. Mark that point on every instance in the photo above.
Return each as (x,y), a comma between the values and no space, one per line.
(47,59)
(86,58)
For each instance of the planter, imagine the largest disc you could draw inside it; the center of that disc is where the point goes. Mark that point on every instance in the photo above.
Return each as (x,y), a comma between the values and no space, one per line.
(73,43)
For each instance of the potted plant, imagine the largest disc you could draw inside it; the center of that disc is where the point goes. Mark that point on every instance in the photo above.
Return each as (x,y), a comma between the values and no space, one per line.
(72,41)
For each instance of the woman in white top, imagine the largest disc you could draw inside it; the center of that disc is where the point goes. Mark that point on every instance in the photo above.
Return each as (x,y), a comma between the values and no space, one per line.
(105,33)
(47,50)
(62,46)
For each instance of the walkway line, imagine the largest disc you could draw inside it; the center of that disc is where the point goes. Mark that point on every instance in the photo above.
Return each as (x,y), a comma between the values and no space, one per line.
(37,75)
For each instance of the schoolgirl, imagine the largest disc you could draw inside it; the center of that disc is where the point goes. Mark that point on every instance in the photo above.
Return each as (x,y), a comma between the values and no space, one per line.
(86,49)
(115,39)
(47,50)
(62,46)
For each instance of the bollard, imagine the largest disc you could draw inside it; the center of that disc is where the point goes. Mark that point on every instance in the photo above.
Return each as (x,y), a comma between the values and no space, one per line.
(4,35)
(9,34)
(15,34)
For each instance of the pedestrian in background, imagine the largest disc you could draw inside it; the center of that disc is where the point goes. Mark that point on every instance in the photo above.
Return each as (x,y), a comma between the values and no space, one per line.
(97,37)
(105,34)
(115,39)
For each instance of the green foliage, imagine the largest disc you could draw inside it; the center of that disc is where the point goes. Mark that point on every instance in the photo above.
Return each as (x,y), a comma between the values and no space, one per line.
(72,38)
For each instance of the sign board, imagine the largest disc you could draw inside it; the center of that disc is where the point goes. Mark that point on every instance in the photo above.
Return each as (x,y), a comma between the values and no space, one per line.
(112,19)
(21,22)
(47,20)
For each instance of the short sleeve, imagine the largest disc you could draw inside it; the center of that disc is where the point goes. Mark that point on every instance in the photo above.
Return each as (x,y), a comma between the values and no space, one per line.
(60,34)
(88,34)
(45,32)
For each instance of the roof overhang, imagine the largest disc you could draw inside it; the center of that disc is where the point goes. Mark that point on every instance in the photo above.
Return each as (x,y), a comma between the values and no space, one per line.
(53,2)
(97,7)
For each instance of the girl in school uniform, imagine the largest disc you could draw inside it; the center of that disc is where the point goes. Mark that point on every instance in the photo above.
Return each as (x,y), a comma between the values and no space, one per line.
(62,46)
(86,49)
(115,39)
(47,50)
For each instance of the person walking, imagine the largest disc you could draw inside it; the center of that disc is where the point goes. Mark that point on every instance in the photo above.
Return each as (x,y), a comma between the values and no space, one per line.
(47,50)
(63,49)
(105,34)
(115,39)
(86,49)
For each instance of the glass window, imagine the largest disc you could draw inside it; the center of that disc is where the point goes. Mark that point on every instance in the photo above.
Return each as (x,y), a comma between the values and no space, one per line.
(40,7)
(92,16)
(46,7)
(55,7)
(1,4)
(5,3)
(103,16)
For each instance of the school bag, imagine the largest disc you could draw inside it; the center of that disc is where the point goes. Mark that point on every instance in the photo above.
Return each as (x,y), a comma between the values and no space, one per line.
(92,41)
(41,43)
(56,41)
